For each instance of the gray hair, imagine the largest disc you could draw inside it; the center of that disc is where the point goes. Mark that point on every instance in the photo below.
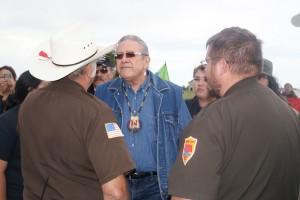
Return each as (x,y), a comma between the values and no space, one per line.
(74,75)
(135,39)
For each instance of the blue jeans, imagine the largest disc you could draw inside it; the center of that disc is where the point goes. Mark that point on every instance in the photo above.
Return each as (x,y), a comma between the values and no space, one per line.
(144,188)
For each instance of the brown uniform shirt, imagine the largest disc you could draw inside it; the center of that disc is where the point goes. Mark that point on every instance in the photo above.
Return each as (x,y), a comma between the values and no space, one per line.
(244,146)
(65,147)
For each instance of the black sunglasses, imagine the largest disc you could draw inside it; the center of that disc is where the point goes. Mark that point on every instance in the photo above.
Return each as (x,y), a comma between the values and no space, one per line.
(129,54)
(103,70)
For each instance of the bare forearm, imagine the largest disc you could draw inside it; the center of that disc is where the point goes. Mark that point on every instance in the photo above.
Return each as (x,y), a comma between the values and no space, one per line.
(122,197)
(116,189)
(178,198)
(2,187)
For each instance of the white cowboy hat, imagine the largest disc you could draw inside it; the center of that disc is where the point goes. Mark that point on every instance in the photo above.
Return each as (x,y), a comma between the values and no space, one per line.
(64,53)
(296,20)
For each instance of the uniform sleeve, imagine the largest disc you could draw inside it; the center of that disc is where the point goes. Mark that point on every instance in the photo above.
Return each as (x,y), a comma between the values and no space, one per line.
(196,173)
(8,136)
(107,149)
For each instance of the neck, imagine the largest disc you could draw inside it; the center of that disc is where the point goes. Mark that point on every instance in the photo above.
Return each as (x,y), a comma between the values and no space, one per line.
(135,84)
(203,102)
(232,80)
(83,83)
(4,95)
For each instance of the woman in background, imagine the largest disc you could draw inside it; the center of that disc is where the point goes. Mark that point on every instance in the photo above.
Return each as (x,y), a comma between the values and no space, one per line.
(203,94)
(7,87)
(11,182)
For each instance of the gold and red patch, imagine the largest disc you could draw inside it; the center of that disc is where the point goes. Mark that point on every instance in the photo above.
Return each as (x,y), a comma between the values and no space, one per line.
(189,148)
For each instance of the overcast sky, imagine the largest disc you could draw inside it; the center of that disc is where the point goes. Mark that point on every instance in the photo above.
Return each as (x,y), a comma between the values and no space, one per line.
(176,31)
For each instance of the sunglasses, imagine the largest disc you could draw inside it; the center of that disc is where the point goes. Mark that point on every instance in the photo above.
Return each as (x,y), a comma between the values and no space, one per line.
(102,70)
(129,54)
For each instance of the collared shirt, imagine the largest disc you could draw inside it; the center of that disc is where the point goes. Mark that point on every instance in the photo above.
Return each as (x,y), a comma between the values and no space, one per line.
(70,143)
(171,117)
(141,144)
(243,146)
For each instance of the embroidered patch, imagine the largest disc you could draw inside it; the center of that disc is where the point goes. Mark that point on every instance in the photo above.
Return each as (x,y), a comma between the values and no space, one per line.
(189,148)
(113,130)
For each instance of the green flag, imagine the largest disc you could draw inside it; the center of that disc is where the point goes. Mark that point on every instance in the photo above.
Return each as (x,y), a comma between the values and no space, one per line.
(163,72)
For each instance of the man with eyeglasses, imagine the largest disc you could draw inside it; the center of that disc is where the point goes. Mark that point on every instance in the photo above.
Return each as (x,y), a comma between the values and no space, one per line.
(151,113)
(246,144)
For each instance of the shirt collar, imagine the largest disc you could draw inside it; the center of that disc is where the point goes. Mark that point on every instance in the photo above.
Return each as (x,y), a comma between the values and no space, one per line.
(142,87)
(67,84)
(241,85)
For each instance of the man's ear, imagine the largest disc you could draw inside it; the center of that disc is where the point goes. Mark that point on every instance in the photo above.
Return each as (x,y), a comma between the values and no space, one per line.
(224,66)
(147,61)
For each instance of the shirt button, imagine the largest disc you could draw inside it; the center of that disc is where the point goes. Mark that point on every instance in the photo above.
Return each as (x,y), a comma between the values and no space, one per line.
(132,145)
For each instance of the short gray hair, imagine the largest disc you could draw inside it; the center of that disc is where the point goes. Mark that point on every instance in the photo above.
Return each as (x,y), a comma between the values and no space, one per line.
(74,75)
(136,39)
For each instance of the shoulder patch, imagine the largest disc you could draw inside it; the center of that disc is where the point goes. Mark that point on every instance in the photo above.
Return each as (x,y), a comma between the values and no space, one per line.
(113,130)
(189,148)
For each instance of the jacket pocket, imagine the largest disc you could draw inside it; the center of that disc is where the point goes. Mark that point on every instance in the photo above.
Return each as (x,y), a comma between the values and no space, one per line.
(171,127)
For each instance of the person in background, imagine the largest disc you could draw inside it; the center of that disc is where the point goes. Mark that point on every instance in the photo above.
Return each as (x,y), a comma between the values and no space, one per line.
(289,94)
(105,72)
(267,79)
(11,182)
(152,115)
(7,86)
(245,145)
(204,95)
(71,145)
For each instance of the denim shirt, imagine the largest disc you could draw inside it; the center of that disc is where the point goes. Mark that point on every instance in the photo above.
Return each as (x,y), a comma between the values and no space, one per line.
(171,115)
(141,144)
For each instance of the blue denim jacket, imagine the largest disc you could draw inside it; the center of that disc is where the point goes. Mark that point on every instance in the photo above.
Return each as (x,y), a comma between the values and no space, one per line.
(171,117)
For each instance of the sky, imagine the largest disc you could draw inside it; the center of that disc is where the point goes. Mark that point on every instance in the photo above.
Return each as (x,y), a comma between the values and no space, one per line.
(175,31)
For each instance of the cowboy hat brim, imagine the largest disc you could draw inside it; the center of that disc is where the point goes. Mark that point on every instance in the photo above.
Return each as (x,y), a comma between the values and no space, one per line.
(45,69)
(296,20)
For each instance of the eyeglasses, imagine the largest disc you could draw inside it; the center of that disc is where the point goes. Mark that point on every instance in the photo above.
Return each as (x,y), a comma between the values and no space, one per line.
(129,54)
(6,76)
(102,70)
(205,62)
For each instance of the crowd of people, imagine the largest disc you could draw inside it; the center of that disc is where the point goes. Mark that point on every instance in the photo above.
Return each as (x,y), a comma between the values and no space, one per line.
(79,125)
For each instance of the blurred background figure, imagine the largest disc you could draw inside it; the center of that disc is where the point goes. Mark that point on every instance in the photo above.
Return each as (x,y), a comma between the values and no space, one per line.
(105,72)
(288,91)
(7,86)
(289,94)
(267,79)
(203,94)
(11,181)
